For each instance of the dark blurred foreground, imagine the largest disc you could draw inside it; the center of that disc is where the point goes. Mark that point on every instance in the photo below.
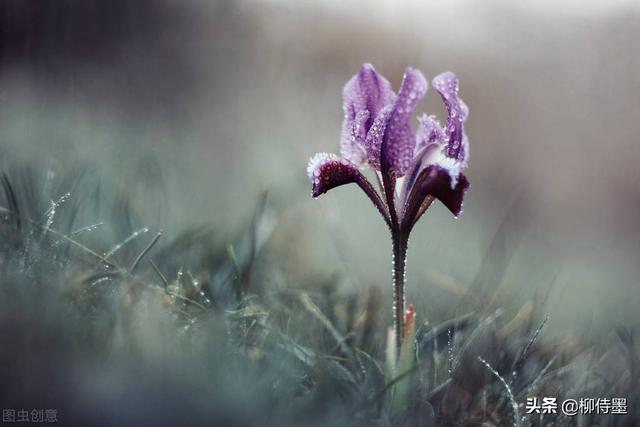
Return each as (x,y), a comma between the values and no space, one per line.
(195,108)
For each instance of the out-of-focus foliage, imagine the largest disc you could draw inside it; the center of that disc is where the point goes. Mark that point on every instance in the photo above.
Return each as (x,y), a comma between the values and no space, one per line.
(191,329)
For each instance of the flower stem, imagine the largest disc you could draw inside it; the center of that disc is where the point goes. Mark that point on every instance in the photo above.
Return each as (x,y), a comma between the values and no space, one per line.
(400,243)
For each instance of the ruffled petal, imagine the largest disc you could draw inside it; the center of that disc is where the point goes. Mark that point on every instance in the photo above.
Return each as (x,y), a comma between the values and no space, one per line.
(447,86)
(429,131)
(438,182)
(364,97)
(399,141)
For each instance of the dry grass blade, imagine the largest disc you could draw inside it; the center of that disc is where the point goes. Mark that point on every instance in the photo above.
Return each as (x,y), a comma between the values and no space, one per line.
(475,334)
(166,290)
(93,278)
(163,278)
(80,231)
(10,195)
(514,405)
(66,238)
(144,252)
(182,298)
(394,381)
(523,355)
(312,308)
(538,378)
(126,241)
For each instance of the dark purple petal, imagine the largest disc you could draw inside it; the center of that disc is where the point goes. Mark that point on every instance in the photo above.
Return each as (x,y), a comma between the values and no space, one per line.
(447,86)
(328,171)
(364,97)
(424,156)
(399,141)
(430,139)
(439,183)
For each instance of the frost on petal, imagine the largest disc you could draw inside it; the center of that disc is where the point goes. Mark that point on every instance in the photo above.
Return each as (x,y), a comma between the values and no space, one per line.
(352,145)
(373,141)
(447,86)
(399,142)
(364,97)
(327,171)
(429,131)
(438,182)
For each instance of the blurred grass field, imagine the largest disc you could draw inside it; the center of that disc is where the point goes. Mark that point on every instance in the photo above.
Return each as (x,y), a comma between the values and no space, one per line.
(199,329)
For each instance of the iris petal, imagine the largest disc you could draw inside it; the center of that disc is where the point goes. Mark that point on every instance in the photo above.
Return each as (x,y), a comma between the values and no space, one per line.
(365,96)
(328,171)
(429,131)
(438,182)
(446,84)
(373,141)
(399,141)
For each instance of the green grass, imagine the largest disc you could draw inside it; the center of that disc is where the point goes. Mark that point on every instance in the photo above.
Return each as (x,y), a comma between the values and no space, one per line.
(115,324)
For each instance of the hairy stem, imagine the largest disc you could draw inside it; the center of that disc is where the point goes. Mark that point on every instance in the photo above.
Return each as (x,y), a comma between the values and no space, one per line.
(400,243)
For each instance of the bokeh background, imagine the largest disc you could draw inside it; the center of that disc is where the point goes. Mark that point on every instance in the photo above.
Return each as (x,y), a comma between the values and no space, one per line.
(194,108)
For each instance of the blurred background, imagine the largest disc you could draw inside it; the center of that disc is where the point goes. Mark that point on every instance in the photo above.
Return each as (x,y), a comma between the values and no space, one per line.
(194,108)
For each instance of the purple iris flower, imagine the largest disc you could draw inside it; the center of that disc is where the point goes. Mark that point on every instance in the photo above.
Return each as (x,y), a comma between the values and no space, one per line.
(412,169)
